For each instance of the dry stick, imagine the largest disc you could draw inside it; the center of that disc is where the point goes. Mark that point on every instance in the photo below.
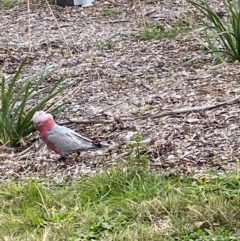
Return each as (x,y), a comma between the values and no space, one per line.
(143,18)
(25,151)
(29,28)
(195,109)
(71,121)
(64,39)
(158,115)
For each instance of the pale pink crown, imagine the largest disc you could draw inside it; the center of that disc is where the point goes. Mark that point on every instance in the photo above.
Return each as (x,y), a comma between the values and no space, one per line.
(41,116)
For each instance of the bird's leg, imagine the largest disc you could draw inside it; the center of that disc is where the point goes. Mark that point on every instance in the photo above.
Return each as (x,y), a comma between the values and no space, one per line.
(78,155)
(62,158)
(96,139)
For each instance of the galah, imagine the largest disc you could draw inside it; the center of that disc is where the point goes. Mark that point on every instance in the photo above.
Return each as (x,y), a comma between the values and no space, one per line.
(60,139)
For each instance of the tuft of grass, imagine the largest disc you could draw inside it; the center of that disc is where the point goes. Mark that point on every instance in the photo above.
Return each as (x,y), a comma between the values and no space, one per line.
(223,33)
(158,32)
(7,4)
(111,12)
(106,45)
(17,107)
(138,159)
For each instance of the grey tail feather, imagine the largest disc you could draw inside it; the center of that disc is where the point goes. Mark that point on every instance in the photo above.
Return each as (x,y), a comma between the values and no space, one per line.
(100,145)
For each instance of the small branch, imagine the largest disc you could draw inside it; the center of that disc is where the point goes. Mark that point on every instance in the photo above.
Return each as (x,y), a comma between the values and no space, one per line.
(195,109)
(71,121)
(25,151)
(96,121)
(119,21)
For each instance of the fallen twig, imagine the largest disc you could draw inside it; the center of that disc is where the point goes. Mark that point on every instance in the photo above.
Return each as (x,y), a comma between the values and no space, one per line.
(195,108)
(71,121)
(25,151)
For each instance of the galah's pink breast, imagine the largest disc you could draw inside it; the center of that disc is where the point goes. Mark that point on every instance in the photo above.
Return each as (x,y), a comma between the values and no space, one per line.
(44,136)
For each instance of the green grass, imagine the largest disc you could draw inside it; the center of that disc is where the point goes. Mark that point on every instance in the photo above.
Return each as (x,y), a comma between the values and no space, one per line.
(111,12)
(158,34)
(7,4)
(105,45)
(157,31)
(122,205)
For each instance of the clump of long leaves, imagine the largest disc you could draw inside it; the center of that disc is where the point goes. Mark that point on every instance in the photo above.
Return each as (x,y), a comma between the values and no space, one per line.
(16,111)
(223,35)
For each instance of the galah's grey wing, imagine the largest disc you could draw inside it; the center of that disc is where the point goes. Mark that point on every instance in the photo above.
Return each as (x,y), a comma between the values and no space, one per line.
(78,136)
(68,143)
(65,130)
(95,144)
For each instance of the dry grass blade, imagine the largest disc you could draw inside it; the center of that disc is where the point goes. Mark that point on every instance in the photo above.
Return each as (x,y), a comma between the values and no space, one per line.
(29,27)
(59,28)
